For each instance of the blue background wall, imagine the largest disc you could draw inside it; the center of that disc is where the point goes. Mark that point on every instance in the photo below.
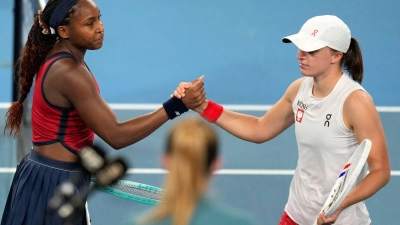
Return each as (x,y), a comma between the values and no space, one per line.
(150,46)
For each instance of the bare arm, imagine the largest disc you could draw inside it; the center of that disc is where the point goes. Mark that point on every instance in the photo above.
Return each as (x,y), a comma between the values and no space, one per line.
(259,130)
(360,115)
(79,88)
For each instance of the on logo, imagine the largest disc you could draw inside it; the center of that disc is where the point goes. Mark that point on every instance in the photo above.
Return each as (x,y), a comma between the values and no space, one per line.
(328,117)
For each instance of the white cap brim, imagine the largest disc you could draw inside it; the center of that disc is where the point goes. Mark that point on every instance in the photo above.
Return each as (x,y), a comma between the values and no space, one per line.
(304,42)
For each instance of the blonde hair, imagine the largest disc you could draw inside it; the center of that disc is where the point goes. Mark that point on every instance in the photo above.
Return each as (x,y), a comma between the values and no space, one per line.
(191,148)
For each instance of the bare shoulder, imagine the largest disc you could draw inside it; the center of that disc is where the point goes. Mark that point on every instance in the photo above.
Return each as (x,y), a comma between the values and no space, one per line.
(359,108)
(69,73)
(359,99)
(71,80)
(293,88)
(297,83)
(67,68)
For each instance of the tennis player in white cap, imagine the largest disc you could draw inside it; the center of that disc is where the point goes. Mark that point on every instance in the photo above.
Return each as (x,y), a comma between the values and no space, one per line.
(332,114)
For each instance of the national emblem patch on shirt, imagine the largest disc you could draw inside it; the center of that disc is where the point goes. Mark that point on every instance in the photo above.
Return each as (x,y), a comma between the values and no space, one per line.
(299,115)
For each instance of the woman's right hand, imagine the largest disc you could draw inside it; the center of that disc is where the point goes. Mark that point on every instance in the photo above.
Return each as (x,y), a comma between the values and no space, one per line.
(192,93)
(181,89)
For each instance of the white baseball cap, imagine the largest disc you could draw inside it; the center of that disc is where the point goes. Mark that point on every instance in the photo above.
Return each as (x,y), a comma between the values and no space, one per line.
(322,31)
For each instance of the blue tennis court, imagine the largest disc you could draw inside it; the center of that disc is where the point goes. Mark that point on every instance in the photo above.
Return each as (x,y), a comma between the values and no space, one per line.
(150,46)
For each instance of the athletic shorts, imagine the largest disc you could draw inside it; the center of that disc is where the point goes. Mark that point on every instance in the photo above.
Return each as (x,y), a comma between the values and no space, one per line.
(286,220)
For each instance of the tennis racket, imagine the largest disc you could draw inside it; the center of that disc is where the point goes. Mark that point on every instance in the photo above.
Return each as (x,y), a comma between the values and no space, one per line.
(347,178)
(137,192)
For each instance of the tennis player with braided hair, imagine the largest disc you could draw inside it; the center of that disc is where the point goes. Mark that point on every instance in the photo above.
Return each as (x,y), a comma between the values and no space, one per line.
(67,109)
(191,157)
(332,114)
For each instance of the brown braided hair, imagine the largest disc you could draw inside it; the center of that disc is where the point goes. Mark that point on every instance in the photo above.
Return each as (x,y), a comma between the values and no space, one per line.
(33,54)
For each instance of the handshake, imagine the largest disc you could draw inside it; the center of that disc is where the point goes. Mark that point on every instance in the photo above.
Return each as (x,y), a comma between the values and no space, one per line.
(191,95)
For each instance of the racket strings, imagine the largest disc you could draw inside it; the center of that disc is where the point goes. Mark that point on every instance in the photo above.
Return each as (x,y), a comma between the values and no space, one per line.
(137,191)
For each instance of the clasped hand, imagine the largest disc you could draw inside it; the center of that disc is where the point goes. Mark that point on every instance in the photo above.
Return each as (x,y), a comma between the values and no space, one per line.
(323,220)
(191,93)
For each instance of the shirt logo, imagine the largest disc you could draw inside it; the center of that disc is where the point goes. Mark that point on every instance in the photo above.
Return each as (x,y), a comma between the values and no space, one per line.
(302,105)
(327,117)
(299,115)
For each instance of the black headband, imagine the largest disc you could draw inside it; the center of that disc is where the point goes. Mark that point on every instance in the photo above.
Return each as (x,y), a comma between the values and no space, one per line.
(60,12)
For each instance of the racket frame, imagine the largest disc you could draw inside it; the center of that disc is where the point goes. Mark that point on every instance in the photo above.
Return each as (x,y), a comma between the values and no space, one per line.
(132,197)
(345,183)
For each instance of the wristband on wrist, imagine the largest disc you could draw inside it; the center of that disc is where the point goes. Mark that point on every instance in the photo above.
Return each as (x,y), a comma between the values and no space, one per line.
(212,112)
(174,107)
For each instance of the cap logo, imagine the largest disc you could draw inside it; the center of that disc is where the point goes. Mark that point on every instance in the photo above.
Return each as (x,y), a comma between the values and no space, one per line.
(314,33)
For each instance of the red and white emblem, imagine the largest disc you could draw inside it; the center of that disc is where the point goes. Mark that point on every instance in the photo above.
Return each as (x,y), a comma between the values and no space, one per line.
(299,115)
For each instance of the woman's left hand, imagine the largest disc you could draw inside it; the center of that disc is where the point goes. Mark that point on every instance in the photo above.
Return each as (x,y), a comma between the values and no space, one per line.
(323,220)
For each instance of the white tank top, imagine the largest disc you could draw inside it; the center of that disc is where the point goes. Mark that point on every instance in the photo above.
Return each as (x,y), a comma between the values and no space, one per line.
(324,146)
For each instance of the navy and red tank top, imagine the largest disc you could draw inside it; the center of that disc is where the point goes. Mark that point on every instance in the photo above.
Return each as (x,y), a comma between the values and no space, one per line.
(52,124)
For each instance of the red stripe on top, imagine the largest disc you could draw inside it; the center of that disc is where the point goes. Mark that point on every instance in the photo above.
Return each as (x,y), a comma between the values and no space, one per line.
(51,124)
(346,166)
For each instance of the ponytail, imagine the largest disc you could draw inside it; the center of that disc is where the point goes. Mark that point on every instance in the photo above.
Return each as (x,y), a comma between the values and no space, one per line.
(352,61)
(40,41)
(192,149)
